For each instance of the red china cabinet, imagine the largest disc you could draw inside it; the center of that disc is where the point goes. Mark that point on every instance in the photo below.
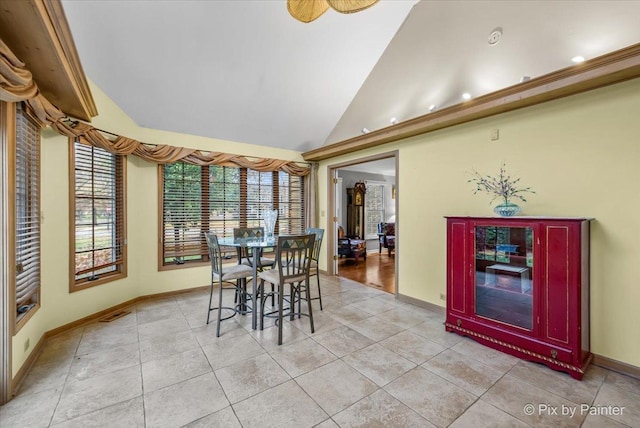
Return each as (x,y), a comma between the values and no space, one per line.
(521,285)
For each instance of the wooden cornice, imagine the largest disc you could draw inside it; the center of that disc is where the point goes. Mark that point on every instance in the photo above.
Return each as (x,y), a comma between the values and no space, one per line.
(605,70)
(38,33)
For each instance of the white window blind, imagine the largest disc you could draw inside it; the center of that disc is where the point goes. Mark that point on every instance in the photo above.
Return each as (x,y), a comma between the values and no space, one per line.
(27,206)
(374,208)
(217,199)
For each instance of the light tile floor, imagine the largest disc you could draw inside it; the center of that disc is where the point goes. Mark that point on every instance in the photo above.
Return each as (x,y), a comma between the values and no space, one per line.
(372,362)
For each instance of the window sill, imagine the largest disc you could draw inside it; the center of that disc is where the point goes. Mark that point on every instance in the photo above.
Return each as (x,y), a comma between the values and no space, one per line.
(84,284)
(24,318)
(186,265)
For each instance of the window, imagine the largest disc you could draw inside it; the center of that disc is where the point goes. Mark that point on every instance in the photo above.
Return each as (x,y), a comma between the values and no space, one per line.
(98,241)
(200,199)
(27,212)
(373,208)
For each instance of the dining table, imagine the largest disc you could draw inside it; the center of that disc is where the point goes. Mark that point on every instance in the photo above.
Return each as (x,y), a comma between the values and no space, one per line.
(256,244)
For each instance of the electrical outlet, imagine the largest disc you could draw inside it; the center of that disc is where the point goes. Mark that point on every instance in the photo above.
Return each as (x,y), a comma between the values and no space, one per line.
(26,344)
(443,296)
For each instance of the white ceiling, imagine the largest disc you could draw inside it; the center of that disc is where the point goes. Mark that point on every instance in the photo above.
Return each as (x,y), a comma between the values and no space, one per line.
(246,71)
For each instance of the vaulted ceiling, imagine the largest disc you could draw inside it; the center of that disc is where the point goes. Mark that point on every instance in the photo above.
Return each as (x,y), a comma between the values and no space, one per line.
(246,71)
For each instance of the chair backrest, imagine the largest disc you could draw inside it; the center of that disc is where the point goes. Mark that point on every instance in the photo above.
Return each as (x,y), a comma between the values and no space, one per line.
(293,257)
(215,254)
(248,232)
(387,228)
(318,241)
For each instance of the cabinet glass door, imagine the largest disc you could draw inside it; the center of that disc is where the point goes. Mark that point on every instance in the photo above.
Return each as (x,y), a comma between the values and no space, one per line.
(504,274)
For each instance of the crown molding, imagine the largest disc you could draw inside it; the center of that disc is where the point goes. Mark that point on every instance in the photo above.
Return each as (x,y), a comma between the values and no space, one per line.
(38,33)
(608,69)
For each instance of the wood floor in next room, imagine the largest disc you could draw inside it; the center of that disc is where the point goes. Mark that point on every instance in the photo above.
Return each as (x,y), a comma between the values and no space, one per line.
(377,271)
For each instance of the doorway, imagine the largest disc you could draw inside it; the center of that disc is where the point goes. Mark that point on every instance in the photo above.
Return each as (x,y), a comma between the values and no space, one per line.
(379,175)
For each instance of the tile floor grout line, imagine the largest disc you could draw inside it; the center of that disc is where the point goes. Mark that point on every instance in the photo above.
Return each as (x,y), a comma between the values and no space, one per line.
(264,344)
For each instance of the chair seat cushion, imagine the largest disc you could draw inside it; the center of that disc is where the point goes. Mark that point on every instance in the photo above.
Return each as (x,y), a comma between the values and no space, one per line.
(229,273)
(273,276)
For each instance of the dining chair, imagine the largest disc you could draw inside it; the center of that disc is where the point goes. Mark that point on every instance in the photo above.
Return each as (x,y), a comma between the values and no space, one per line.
(246,256)
(235,275)
(315,269)
(293,261)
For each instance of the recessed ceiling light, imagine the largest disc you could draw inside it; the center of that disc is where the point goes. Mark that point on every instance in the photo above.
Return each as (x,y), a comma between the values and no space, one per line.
(466,96)
(577,59)
(432,107)
(525,79)
(393,120)
(365,131)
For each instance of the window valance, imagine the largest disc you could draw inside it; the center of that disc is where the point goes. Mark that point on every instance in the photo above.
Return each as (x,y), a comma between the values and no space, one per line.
(17,84)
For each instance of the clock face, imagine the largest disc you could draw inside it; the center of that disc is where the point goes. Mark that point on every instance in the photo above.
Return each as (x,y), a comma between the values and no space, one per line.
(358,199)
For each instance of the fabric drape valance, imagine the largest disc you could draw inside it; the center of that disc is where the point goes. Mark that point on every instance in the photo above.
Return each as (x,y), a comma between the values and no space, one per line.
(17,84)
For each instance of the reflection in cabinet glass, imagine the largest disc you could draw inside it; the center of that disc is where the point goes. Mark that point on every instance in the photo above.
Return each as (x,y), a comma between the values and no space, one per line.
(504,274)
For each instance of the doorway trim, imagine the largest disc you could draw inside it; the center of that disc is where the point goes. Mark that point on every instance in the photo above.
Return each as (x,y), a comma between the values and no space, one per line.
(332,221)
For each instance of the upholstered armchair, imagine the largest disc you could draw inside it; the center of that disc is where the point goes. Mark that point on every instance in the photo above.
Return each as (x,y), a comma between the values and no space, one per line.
(387,236)
(351,248)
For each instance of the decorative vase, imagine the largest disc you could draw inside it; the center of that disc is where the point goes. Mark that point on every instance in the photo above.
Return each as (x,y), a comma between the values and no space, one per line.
(507,209)
(269,218)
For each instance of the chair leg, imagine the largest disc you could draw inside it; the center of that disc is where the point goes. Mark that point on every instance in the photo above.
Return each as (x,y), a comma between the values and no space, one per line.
(219,310)
(280,304)
(309,305)
(261,292)
(210,301)
(242,295)
(319,292)
(273,297)
(292,304)
(295,290)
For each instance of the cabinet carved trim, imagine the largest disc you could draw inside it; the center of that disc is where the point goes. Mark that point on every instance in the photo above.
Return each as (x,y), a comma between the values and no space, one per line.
(487,340)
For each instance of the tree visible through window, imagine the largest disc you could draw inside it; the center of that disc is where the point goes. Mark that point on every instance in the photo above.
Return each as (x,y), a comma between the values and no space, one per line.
(200,199)
(99,242)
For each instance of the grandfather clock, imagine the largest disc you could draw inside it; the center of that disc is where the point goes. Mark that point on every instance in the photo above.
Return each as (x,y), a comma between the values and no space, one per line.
(355,210)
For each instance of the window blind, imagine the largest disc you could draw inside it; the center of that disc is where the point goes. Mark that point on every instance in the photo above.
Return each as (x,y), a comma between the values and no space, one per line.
(374,208)
(27,206)
(217,199)
(99,238)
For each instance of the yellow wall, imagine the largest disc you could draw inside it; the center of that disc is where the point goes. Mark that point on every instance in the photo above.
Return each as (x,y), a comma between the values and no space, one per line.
(580,154)
(58,306)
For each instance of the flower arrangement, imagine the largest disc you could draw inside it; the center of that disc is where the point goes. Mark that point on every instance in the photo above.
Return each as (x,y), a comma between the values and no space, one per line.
(502,186)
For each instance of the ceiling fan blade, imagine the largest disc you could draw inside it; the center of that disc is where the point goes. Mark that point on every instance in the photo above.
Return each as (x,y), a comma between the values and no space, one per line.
(350,6)
(306,10)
